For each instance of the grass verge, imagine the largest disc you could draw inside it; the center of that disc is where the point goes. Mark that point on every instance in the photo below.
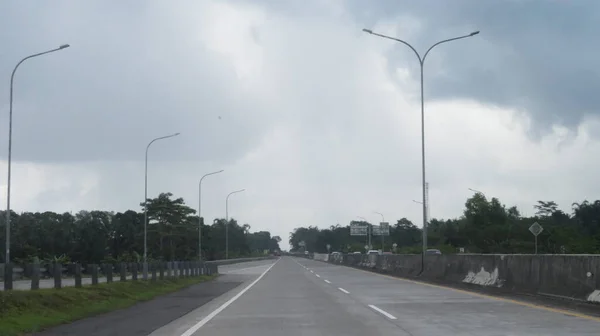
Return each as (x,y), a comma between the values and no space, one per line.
(23,312)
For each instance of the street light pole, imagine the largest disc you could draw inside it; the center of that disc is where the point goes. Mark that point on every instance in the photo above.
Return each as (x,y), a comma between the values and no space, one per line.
(10,114)
(381,231)
(227,221)
(145,270)
(422,63)
(200,214)
(476,191)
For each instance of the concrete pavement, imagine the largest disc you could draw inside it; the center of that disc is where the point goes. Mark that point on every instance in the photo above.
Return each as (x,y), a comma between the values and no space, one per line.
(305,297)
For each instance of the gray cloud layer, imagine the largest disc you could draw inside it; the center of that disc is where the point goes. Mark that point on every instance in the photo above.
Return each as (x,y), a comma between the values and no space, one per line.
(538,56)
(128,79)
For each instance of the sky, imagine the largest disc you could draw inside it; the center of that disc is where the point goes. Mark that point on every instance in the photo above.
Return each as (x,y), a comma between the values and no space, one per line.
(318,121)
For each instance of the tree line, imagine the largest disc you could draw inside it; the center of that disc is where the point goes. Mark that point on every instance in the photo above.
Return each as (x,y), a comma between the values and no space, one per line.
(106,236)
(486,226)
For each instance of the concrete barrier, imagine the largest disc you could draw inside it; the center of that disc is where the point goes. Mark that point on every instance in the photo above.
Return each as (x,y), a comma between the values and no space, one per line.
(321,256)
(575,277)
(238,260)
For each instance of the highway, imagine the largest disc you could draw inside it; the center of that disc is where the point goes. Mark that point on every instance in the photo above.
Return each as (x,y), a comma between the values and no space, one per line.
(295,296)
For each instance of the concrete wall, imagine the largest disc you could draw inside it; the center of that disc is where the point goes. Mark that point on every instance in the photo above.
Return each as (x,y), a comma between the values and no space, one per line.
(238,260)
(571,276)
(321,256)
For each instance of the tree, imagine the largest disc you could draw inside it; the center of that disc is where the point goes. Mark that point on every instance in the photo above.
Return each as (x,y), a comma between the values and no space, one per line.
(486,226)
(104,236)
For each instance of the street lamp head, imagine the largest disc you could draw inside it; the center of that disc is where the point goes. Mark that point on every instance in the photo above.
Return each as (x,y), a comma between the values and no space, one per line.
(367,30)
(474,33)
(176,133)
(64,46)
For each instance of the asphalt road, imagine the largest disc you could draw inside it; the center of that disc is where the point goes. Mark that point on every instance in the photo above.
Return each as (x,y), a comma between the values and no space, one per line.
(305,297)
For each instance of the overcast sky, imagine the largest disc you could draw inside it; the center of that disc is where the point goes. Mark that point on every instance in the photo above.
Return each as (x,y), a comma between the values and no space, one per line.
(318,121)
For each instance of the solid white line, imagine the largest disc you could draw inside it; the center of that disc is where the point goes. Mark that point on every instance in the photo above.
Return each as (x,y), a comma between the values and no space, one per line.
(311,271)
(383,312)
(343,290)
(210,316)
(328,281)
(318,276)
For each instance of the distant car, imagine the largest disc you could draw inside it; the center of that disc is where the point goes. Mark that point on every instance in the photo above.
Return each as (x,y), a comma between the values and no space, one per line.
(433,251)
(335,253)
(371,252)
(357,252)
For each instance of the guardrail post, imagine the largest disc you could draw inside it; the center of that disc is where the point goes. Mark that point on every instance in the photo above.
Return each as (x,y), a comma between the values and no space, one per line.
(134,271)
(123,271)
(169,268)
(186,267)
(77,275)
(94,272)
(108,271)
(195,268)
(8,276)
(57,274)
(35,276)
(161,270)
(152,266)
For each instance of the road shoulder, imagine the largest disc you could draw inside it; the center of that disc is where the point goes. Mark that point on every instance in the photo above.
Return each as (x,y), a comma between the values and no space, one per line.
(145,317)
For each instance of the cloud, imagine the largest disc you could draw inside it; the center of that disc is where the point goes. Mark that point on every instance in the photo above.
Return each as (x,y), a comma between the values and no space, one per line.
(530,56)
(319,122)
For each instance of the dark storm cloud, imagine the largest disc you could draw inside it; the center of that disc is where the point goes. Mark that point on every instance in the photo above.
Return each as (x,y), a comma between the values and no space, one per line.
(133,73)
(538,56)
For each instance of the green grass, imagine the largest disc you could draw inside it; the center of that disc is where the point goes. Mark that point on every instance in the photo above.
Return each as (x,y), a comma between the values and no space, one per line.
(23,312)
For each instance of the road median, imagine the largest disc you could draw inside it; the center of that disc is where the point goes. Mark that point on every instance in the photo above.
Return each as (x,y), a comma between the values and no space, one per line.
(23,312)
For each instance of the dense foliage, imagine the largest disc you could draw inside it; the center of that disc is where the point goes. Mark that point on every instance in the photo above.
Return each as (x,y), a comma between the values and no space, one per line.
(486,226)
(103,236)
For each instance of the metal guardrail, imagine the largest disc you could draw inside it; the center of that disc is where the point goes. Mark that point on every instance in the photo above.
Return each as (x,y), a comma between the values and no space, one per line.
(30,276)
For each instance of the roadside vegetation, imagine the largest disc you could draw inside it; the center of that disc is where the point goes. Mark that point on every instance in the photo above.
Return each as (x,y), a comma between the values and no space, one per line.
(24,312)
(104,237)
(486,226)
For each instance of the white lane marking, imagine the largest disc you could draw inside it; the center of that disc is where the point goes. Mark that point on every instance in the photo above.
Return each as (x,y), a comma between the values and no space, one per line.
(328,281)
(311,271)
(383,312)
(343,290)
(318,276)
(210,316)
